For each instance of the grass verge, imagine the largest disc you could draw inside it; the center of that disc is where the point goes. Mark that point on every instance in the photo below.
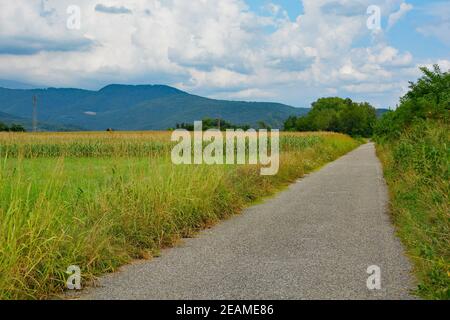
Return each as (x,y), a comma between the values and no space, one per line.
(417,172)
(100,200)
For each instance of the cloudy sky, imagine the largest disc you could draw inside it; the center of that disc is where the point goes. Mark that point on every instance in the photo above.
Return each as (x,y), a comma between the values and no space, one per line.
(288,51)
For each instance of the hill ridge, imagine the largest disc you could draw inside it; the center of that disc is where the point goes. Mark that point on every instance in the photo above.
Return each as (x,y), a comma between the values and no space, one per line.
(137,107)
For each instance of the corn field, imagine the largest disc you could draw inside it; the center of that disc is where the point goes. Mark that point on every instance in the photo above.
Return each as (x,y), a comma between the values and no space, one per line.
(100,200)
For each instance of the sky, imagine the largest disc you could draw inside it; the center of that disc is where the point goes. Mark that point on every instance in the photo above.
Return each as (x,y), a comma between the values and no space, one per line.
(287,51)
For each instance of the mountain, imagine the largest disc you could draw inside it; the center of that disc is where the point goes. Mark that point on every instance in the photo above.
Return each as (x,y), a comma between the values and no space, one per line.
(10,84)
(381,112)
(27,124)
(9,119)
(144,107)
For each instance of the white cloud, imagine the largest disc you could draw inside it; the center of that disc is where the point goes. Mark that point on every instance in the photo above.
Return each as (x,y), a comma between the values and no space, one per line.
(29,27)
(396,16)
(253,94)
(371,87)
(214,47)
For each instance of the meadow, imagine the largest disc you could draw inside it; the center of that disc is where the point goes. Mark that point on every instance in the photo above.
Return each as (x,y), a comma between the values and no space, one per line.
(100,200)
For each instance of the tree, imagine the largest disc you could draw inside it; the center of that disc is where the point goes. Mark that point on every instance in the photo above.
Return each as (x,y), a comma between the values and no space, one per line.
(263,125)
(337,115)
(434,85)
(290,124)
(427,99)
(3,127)
(17,128)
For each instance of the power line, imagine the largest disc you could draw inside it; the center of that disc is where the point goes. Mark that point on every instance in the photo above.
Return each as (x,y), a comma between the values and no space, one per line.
(35,102)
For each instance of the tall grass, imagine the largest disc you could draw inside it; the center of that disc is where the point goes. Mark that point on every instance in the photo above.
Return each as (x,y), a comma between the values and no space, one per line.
(100,200)
(417,171)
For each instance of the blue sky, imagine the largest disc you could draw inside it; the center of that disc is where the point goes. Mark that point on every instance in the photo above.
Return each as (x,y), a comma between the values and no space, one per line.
(293,7)
(258,50)
(406,37)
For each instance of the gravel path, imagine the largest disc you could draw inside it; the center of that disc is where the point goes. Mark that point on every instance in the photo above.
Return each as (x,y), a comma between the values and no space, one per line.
(315,240)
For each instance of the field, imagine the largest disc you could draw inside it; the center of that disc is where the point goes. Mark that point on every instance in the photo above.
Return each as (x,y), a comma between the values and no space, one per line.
(100,200)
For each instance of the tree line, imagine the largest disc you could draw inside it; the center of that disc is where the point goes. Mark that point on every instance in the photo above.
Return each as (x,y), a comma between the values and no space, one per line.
(337,115)
(12,128)
(219,124)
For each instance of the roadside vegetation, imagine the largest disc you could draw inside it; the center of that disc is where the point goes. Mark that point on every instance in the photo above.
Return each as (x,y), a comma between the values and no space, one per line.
(100,200)
(413,144)
(336,115)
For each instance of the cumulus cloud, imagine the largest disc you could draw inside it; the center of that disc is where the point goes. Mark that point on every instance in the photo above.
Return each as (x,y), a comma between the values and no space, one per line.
(253,94)
(31,27)
(216,47)
(396,16)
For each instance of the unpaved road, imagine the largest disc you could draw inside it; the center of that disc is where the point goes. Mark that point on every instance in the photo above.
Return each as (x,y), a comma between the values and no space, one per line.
(313,241)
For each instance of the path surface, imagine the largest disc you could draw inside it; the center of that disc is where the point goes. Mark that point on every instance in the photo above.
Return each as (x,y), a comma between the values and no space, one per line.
(313,241)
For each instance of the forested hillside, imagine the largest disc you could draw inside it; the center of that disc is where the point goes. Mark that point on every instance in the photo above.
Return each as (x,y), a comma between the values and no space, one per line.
(137,108)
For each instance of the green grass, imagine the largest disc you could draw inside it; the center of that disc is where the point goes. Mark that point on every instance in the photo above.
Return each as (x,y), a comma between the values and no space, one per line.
(101,200)
(417,171)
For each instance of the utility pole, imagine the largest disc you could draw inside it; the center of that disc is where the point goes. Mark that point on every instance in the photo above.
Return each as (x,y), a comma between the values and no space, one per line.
(35,102)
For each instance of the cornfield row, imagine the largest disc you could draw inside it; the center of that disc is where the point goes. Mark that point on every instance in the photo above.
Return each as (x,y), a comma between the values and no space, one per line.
(113,145)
